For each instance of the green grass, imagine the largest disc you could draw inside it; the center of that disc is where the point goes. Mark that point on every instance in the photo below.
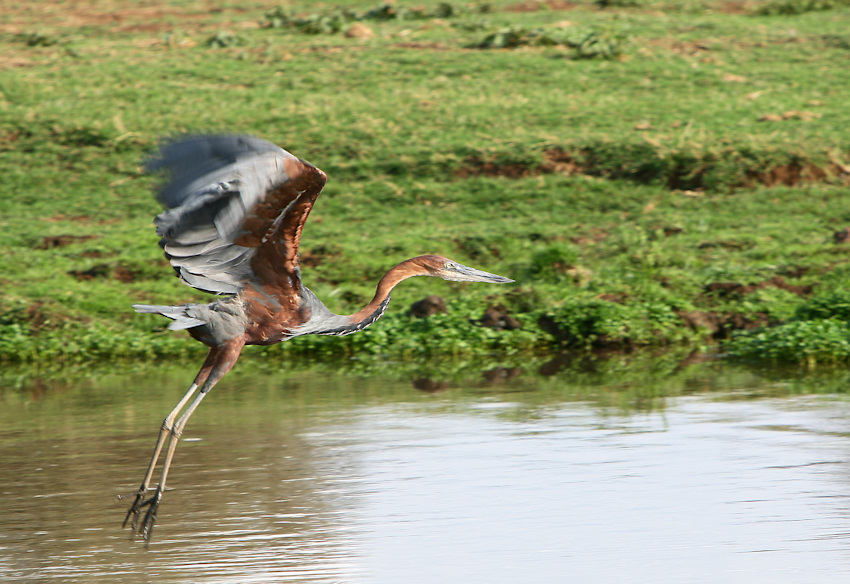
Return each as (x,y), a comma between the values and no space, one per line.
(615,186)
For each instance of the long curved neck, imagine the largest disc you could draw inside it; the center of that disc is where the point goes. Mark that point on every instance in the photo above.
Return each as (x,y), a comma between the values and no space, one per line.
(378,305)
(324,322)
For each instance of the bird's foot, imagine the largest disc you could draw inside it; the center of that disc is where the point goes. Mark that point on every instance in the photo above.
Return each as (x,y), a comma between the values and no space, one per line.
(145,527)
(135,509)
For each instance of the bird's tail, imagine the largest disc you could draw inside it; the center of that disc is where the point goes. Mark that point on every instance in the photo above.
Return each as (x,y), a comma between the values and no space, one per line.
(179,314)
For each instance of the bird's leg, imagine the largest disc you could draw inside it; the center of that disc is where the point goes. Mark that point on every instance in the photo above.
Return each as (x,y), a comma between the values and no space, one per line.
(220,359)
(146,528)
(167,427)
(165,430)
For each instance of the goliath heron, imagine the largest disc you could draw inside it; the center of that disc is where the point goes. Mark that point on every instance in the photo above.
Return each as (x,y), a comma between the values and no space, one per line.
(235,208)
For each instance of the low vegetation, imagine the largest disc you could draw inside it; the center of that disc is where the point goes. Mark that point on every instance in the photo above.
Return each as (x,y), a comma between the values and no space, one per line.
(793,7)
(652,174)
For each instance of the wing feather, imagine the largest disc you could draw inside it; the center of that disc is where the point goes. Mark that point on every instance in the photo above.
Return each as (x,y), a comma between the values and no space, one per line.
(235,207)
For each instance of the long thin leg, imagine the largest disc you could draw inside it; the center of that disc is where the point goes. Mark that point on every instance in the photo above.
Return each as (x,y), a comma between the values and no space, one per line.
(146,528)
(167,426)
(165,430)
(219,361)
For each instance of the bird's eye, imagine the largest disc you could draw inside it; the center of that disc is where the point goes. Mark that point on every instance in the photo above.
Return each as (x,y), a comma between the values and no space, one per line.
(451,265)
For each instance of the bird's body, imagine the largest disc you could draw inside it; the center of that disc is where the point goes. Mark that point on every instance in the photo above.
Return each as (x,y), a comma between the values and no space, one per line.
(259,318)
(235,208)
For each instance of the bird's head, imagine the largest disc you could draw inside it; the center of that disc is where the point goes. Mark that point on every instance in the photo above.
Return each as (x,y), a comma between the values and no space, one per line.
(447,269)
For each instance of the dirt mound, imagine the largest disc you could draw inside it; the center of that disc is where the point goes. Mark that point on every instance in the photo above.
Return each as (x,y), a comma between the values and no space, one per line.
(428,306)
(721,324)
(680,176)
(497,317)
(731,289)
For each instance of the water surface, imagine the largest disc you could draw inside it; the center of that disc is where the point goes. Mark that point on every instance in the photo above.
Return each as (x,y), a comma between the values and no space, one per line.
(708,475)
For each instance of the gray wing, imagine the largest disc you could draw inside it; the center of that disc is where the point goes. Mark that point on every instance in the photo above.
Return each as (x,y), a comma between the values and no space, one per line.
(231,201)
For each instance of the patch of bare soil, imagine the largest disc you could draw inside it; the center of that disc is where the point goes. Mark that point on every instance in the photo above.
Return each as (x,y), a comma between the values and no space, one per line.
(842,236)
(726,244)
(478,167)
(94,272)
(58,15)
(562,335)
(680,47)
(13,61)
(317,256)
(39,316)
(54,241)
(534,6)
(124,274)
(736,7)
(721,324)
(792,174)
(709,50)
(119,272)
(728,7)
(423,45)
(727,289)
(595,235)
(557,160)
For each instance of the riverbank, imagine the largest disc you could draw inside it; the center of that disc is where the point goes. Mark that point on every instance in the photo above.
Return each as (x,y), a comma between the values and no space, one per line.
(683,183)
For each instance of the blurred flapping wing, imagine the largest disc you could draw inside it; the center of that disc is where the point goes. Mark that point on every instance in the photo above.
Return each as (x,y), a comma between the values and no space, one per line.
(235,208)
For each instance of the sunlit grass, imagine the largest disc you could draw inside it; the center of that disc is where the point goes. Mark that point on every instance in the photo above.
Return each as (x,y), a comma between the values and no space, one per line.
(656,191)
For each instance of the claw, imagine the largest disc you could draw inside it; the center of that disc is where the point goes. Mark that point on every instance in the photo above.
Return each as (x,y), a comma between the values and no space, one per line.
(134,509)
(146,528)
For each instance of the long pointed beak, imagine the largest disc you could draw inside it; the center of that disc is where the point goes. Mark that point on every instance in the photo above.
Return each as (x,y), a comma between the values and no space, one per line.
(461,273)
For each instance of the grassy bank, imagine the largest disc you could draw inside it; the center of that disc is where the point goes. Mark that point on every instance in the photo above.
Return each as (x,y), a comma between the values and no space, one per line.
(651,173)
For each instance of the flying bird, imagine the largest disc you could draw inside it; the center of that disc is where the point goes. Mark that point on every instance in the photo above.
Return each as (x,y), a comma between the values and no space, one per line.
(234,210)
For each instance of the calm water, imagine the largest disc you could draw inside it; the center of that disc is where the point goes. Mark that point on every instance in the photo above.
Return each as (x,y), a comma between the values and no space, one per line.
(704,475)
